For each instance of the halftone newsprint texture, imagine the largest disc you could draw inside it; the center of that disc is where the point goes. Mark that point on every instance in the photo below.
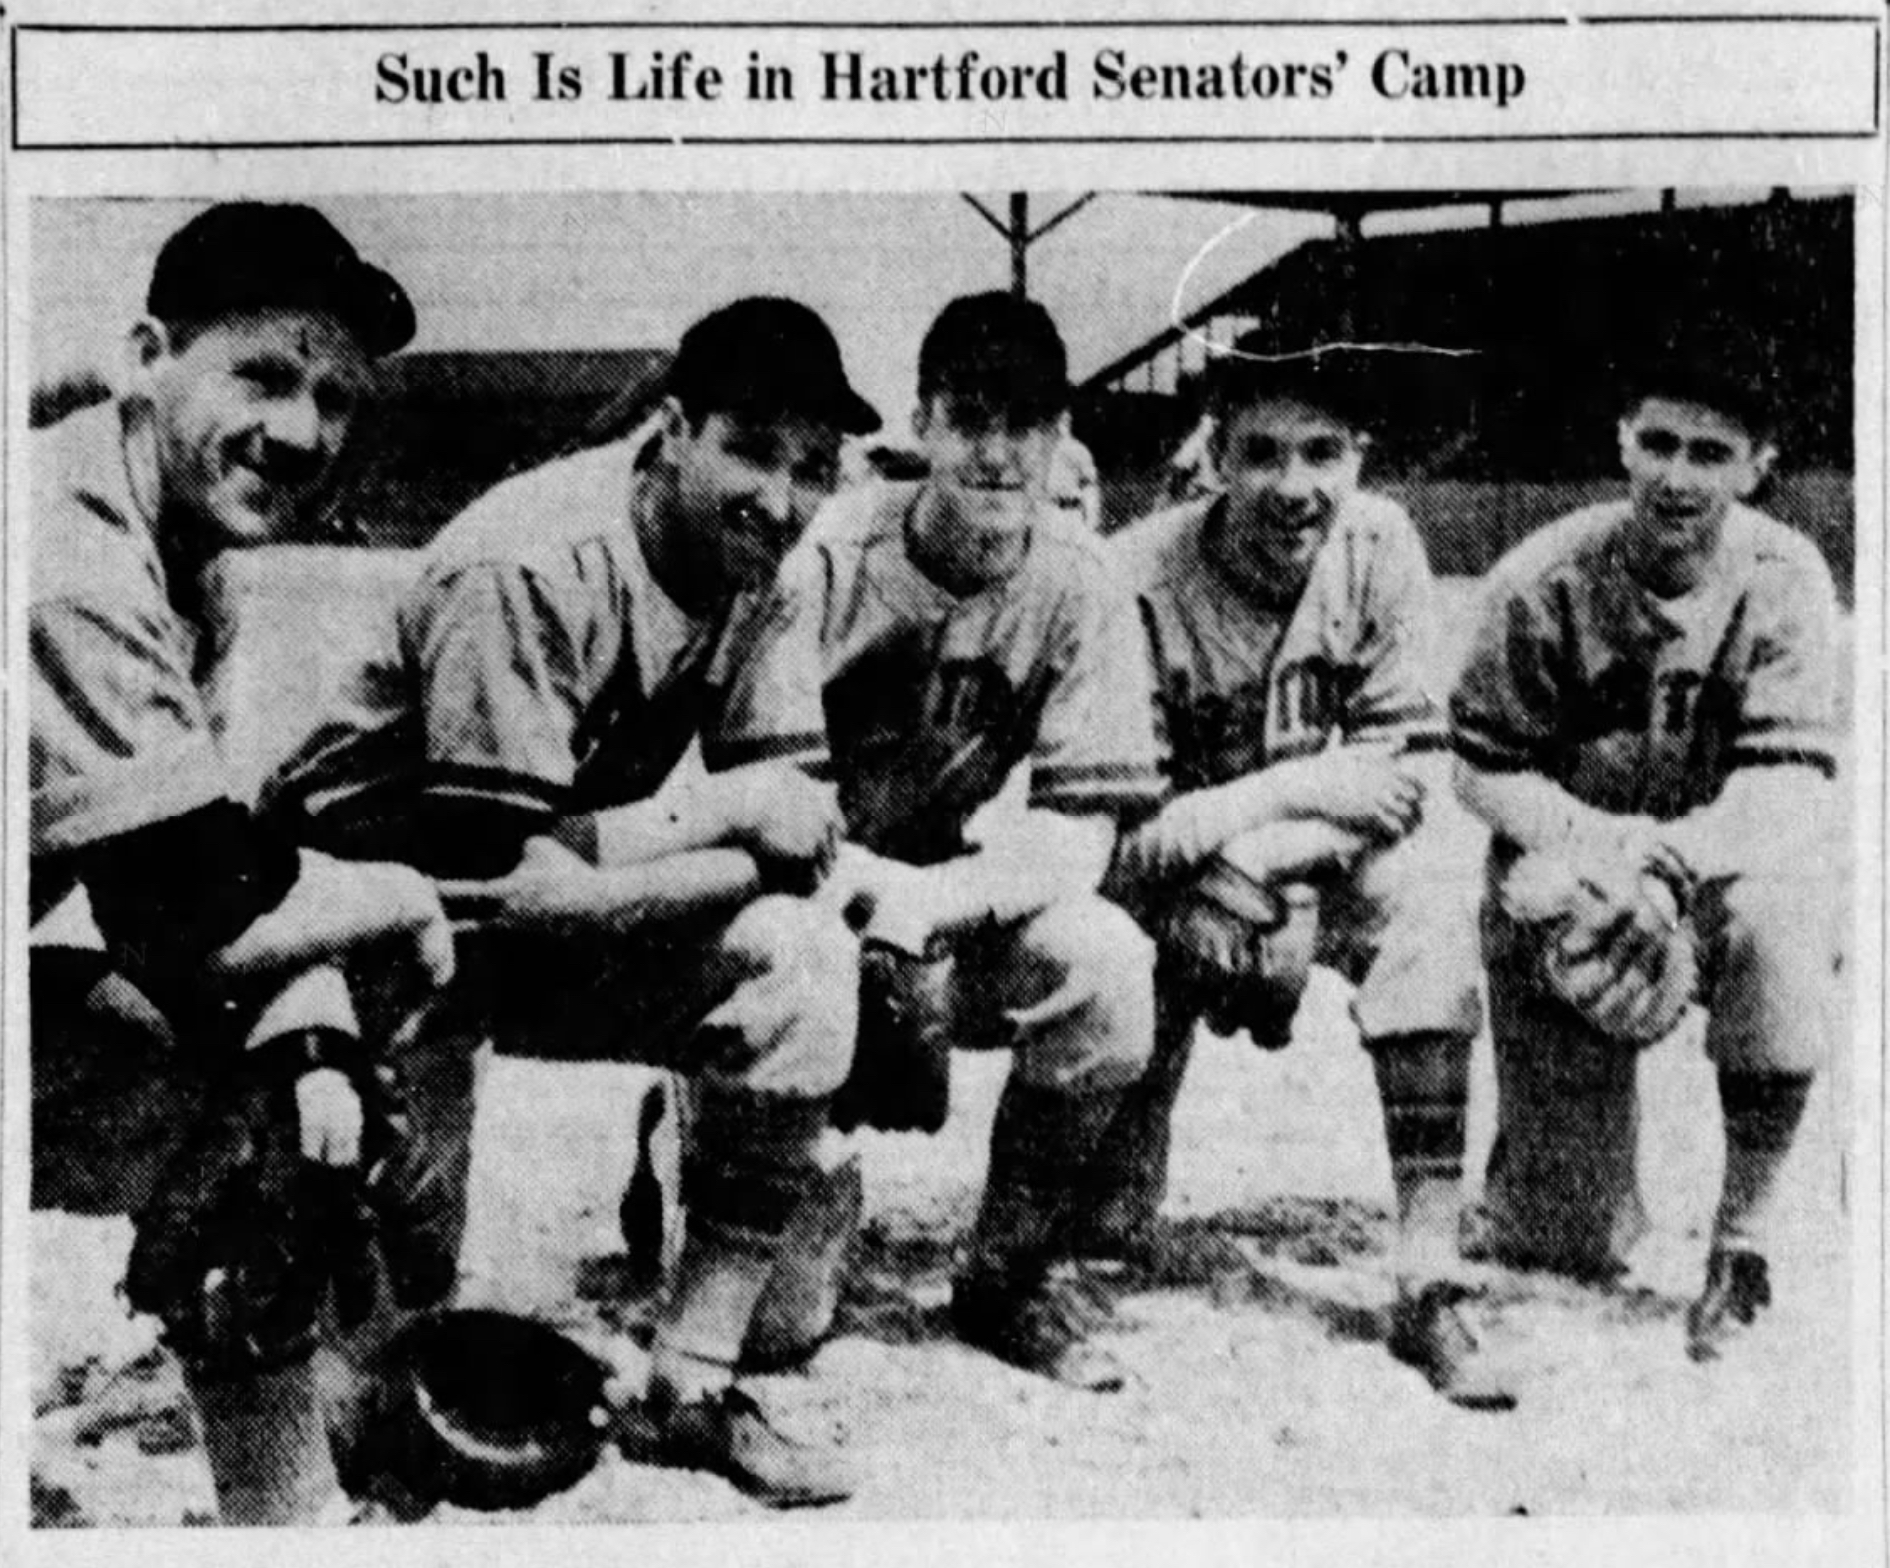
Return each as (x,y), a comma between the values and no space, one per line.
(943,785)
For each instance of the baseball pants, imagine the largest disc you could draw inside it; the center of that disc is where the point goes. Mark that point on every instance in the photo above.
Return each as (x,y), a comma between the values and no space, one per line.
(1562,1188)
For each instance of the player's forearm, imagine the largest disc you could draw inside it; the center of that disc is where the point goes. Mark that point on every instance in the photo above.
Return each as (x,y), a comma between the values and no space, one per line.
(674,822)
(331,907)
(1195,825)
(559,894)
(1764,819)
(1531,811)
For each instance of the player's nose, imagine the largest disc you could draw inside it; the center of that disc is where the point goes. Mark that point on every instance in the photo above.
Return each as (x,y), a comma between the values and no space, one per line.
(1299,480)
(774,498)
(992,447)
(294,422)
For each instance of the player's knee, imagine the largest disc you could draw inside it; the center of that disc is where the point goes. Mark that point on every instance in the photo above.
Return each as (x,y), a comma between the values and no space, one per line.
(798,1002)
(793,937)
(1096,958)
(1778,925)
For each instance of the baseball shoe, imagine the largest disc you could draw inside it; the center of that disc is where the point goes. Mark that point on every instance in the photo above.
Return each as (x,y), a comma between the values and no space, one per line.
(1430,1330)
(1738,1289)
(729,1435)
(1037,1328)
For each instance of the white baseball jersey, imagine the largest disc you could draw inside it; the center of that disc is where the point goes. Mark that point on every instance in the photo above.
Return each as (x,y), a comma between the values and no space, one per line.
(1242,683)
(1640,705)
(922,702)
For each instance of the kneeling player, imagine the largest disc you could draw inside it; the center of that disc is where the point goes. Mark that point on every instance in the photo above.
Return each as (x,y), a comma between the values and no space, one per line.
(216,1068)
(541,679)
(1646,721)
(1288,621)
(935,637)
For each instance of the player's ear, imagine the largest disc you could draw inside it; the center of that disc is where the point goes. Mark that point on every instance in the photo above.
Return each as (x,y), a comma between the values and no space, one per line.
(675,420)
(1764,455)
(146,345)
(1624,438)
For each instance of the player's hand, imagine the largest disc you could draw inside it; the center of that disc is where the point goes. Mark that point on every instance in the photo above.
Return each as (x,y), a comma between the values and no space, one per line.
(908,909)
(1649,844)
(1366,791)
(336,905)
(778,813)
(328,1112)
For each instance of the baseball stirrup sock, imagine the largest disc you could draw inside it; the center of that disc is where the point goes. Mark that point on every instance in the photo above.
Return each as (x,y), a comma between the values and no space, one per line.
(1041,1144)
(699,1337)
(1423,1085)
(267,1445)
(1762,1112)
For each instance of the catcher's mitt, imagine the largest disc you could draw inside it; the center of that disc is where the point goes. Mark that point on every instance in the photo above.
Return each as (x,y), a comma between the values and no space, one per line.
(1243,948)
(1611,938)
(901,1079)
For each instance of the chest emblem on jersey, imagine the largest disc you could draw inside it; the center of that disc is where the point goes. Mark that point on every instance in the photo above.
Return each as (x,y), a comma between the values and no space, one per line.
(920,741)
(1219,735)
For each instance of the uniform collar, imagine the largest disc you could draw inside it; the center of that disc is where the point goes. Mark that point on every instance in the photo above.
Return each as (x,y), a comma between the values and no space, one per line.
(1647,616)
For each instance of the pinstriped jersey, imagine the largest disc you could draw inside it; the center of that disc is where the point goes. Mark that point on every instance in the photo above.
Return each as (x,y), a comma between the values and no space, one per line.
(1242,683)
(923,702)
(1636,704)
(536,662)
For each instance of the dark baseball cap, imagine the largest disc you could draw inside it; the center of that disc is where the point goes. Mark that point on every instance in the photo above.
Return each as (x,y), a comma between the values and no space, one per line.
(765,356)
(1366,386)
(997,348)
(249,255)
(1712,361)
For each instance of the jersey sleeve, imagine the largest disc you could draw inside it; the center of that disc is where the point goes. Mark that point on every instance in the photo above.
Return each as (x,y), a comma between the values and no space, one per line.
(505,658)
(1096,749)
(1502,712)
(1789,711)
(767,677)
(1394,701)
(121,738)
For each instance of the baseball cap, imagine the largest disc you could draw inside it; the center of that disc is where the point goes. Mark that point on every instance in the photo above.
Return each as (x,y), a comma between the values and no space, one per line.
(1712,361)
(768,356)
(999,348)
(1363,385)
(249,255)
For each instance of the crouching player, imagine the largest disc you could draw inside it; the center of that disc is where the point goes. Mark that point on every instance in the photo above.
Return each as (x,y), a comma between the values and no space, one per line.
(217,1058)
(1647,723)
(1288,622)
(540,680)
(929,640)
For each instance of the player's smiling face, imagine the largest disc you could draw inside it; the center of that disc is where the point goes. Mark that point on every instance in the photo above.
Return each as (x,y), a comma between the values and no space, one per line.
(990,467)
(251,413)
(1287,468)
(746,488)
(1686,464)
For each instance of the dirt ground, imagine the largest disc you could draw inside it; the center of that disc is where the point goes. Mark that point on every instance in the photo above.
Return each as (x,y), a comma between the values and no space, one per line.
(1265,1397)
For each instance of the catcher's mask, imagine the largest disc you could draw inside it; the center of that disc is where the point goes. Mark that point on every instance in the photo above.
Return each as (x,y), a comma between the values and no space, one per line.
(489,1411)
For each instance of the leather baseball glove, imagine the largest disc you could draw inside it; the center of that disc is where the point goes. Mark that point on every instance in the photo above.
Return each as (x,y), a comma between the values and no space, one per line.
(1243,947)
(1611,935)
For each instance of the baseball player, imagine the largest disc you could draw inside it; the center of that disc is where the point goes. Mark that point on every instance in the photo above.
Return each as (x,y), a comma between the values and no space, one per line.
(1646,721)
(215,1058)
(540,680)
(928,641)
(1288,621)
